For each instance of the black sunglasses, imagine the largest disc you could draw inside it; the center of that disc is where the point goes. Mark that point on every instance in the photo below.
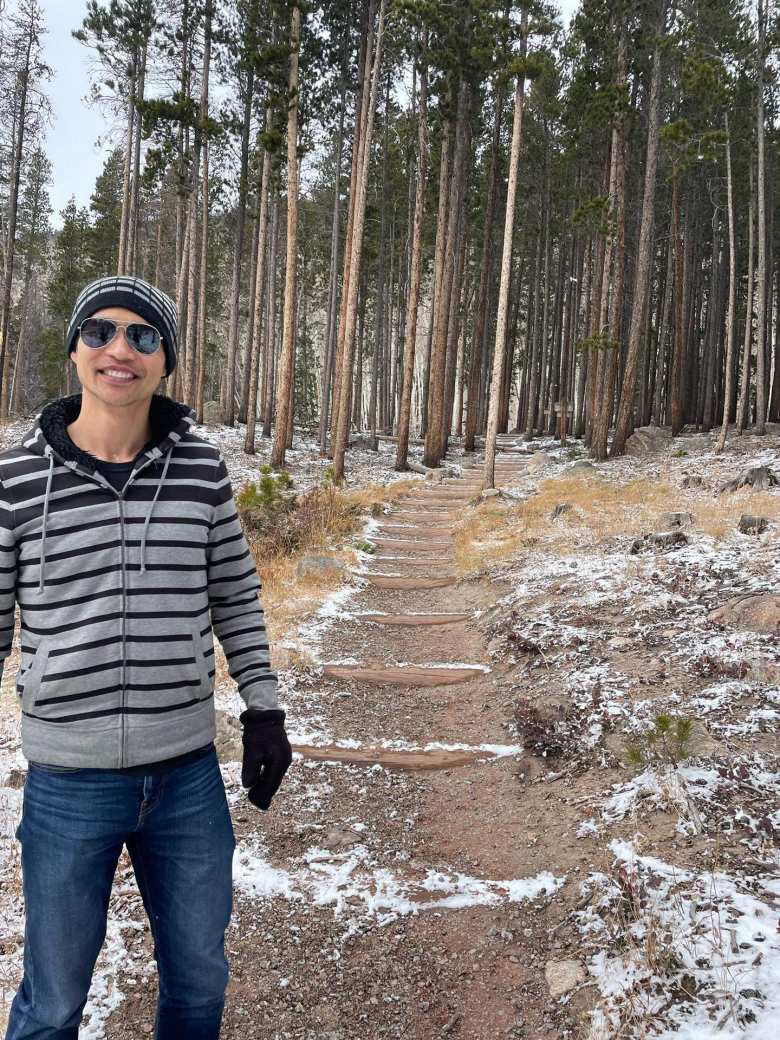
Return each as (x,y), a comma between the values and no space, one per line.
(98,332)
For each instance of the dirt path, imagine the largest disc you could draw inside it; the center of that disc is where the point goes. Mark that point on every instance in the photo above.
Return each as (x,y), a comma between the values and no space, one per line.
(397,895)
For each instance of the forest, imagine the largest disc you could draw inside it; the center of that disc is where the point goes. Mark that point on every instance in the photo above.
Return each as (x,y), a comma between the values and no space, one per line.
(415,219)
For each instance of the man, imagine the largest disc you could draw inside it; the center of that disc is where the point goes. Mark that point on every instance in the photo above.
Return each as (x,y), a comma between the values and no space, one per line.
(120,541)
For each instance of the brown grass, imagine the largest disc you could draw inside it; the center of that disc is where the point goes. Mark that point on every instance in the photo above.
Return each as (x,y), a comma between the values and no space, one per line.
(325,519)
(600,511)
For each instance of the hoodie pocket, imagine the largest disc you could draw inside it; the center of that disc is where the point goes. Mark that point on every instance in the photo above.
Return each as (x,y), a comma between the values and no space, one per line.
(202,662)
(33,675)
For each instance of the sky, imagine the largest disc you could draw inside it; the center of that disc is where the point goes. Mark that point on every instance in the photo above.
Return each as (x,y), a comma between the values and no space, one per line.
(76,141)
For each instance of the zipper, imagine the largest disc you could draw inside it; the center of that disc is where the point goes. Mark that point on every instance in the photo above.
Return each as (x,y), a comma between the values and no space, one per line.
(122,695)
(98,478)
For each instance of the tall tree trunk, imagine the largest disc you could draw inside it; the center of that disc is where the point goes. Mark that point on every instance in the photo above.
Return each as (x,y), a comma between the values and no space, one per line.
(235,290)
(260,280)
(434,432)
(761,368)
(23,80)
(287,360)
(506,274)
(333,281)
(410,332)
(347,331)
(678,348)
(475,361)
(645,251)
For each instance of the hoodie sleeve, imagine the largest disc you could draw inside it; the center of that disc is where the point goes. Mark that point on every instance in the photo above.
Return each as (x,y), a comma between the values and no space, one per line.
(7,576)
(236,612)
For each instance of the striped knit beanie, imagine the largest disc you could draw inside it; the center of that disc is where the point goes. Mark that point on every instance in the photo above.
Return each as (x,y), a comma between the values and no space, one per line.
(135,295)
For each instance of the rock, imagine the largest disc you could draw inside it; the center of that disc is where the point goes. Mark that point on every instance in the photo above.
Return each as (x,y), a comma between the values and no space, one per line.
(340,836)
(673,520)
(212,413)
(560,509)
(581,468)
(701,744)
(15,779)
(538,461)
(759,477)
(563,976)
(753,524)
(490,493)
(754,613)
(648,439)
(228,741)
(691,480)
(313,565)
(658,540)
(367,443)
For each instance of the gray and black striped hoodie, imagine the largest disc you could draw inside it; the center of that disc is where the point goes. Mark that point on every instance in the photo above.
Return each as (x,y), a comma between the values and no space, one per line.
(118,593)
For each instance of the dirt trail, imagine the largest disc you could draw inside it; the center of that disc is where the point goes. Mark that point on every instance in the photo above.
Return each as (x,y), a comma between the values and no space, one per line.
(437,825)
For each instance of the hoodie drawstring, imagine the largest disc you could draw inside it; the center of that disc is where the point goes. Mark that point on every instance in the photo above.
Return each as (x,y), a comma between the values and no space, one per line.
(151,507)
(41,579)
(41,582)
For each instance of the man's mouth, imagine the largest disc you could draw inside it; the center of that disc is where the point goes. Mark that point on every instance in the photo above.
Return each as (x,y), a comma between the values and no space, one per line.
(117,375)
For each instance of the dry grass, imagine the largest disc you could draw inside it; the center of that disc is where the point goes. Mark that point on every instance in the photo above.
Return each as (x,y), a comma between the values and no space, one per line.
(599,511)
(325,519)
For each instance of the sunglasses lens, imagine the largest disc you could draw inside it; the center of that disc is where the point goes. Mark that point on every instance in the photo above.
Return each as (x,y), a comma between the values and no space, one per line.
(96,332)
(144,338)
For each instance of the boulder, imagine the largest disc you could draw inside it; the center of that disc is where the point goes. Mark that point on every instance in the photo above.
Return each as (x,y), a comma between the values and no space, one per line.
(759,477)
(753,613)
(490,493)
(563,976)
(228,741)
(659,540)
(676,520)
(213,414)
(313,565)
(648,439)
(581,468)
(538,461)
(752,524)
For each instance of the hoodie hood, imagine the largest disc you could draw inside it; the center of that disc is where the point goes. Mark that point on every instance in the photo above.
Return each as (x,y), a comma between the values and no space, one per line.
(170,421)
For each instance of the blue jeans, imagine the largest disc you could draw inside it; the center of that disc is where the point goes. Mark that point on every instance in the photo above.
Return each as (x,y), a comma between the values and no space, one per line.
(179,835)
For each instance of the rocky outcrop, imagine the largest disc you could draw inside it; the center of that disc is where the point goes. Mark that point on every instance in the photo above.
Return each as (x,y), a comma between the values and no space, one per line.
(646,440)
(754,613)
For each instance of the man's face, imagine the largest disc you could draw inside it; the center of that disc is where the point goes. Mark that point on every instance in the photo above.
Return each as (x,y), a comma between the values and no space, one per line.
(94,365)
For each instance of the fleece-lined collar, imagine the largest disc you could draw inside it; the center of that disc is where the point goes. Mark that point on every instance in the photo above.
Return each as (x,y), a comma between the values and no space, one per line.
(169,420)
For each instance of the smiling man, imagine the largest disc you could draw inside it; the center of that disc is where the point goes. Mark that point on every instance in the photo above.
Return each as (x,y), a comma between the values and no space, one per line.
(121,544)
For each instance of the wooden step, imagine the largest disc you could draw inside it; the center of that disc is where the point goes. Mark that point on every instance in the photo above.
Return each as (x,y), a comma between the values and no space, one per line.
(407,530)
(412,620)
(408,675)
(408,544)
(417,516)
(393,581)
(390,758)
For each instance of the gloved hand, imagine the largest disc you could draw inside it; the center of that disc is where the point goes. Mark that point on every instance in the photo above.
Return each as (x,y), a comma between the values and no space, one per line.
(267,754)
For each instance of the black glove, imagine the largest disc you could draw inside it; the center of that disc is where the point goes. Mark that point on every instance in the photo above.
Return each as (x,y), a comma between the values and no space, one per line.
(267,754)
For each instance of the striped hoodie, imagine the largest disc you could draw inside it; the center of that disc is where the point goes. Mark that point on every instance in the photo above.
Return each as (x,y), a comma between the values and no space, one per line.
(120,593)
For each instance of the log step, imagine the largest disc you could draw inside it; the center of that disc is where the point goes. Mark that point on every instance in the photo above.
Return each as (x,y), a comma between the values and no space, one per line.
(415,532)
(404,676)
(393,581)
(415,619)
(407,543)
(436,758)
(429,518)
